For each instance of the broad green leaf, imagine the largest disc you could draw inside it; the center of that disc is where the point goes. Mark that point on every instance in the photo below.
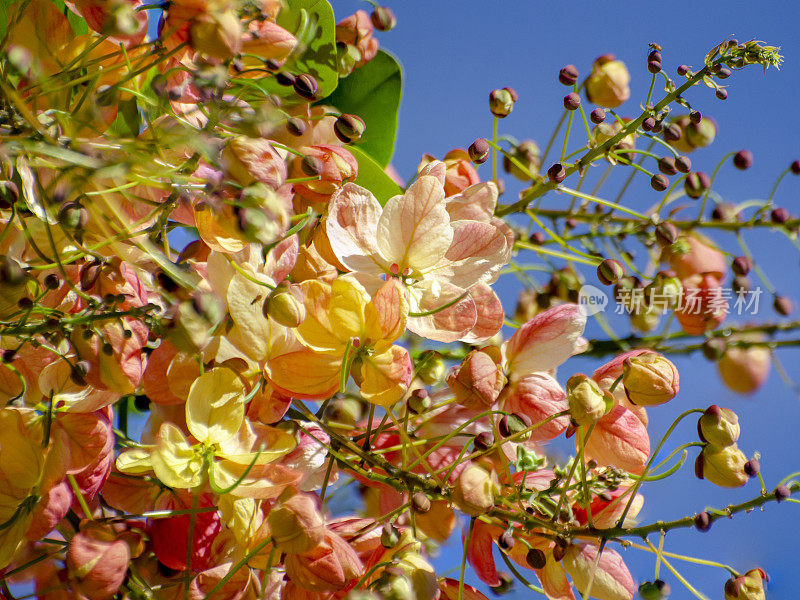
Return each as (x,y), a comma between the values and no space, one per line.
(373,93)
(313,24)
(372,176)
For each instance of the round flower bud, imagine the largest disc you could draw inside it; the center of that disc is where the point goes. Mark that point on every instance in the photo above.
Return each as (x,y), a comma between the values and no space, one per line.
(501,103)
(664,292)
(477,381)
(285,306)
(587,401)
(430,368)
(696,184)
(718,426)
(667,165)
(390,536)
(659,182)
(795,167)
(528,155)
(513,425)
(749,586)
(609,271)
(483,441)
(721,94)
(597,116)
(285,78)
(744,369)
(572,101)
(779,215)
(695,116)
(9,194)
(782,492)
(649,379)
(506,541)
(752,467)
(782,305)
(479,151)
(349,128)
(607,85)
(73,216)
(722,466)
(557,173)
(672,133)
(683,164)
(296,127)
(420,503)
(654,590)
(306,86)
(419,401)
(568,75)
(700,135)
(475,490)
(536,558)
(682,70)
(648,124)
(654,55)
(702,521)
(741,265)
(383,18)
(743,159)
(666,233)
(654,66)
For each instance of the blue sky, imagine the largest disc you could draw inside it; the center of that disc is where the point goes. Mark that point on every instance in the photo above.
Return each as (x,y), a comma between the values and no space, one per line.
(454,53)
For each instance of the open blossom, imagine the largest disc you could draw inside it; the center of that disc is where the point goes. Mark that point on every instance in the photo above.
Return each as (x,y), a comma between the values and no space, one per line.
(445,253)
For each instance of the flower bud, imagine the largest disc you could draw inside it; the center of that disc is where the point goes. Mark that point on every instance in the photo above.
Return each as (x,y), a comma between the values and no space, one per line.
(702,521)
(528,155)
(430,368)
(782,492)
(251,160)
(536,558)
(696,184)
(654,590)
(296,525)
(713,348)
(390,536)
(718,426)
(513,425)
(795,167)
(587,401)
(745,369)
(73,216)
(501,103)
(749,586)
(285,305)
(607,84)
(306,87)
(557,173)
(743,159)
(383,18)
(572,101)
(702,134)
(568,75)
(479,151)
(98,561)
(741,265)
(347,411)
(420,502)
(349,128)
(475,490)
(609,271)
(667,165)
(477,381)
(649,379)
(659,182)
(722,466)
(597,116)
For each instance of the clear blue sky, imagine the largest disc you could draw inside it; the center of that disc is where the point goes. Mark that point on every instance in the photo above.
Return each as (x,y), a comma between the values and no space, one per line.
(454,53)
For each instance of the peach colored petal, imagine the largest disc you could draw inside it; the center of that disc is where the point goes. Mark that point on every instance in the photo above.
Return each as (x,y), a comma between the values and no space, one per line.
(490,314)
(352,228)
(538,396)
(305,374)
(385,377)
(619,439)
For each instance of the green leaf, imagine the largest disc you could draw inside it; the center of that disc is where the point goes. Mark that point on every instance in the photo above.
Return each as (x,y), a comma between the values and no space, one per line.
(128,123)
(373,93)
(313,24)
(372,176)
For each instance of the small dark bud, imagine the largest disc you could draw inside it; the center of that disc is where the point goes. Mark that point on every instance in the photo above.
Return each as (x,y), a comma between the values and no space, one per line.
(654,55)
(306,86)
(695,117)
(610,271)
(420,502)
(752,467)
(483,441)
(51,282)
(285,78)
(479,151)
(654,66)
(537,238)
(311,166)
(349,128)
(721,94)
(682,70)
(513,424)
(659,182)
(702,521)
(658,127)
(725,212)
(597,116)
(8,355)
(666,233)
(667,165)
(714,348)
(568,75)
(272,65)
(741,265)
(572,101)
(782,305)
(782,492)
(794,167)
(25,303)
(654,590)
(296,127)
(506,541)
(695,184)
(419,401)
(557,173)
(740,285)
(672,133)
(73,216)
(536,558)
(779,215)
(648,124)
(743,159)
(383,18)
(723,73)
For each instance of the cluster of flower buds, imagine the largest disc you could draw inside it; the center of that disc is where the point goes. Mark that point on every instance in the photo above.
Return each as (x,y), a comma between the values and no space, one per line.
(721,461)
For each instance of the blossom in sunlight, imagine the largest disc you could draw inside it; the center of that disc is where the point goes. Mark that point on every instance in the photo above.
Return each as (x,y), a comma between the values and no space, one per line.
(444,252)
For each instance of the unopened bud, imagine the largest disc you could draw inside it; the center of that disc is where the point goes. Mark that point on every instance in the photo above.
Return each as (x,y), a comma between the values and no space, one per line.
(779,215)
(743,159)
(285,306)
(722,466)
(390,536)
(420,503)
(718,426)
(782,305)
(73,216)
(782,492)
(557,173)
(568,75)
(430,368)
(296,127)
(506,541)
(683,164)
(479,151)
(501,103)
(526,154)
(795,167)
(649,379)
(714,348)
(696,184)
(383,18)
(667,165)
(654,590)
(702,521)
(587,401)
(419,401)
(666,233)
(349,128)
(597,116)
(572,101)
(306,86)
(659,182)
(536,558)
(610,271)
(749,586)
(475,490)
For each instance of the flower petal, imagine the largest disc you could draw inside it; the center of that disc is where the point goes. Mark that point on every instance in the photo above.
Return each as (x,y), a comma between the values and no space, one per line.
(490,315)
(448,324)
(215,406)
(385,377)
(352,228)
(619,439)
